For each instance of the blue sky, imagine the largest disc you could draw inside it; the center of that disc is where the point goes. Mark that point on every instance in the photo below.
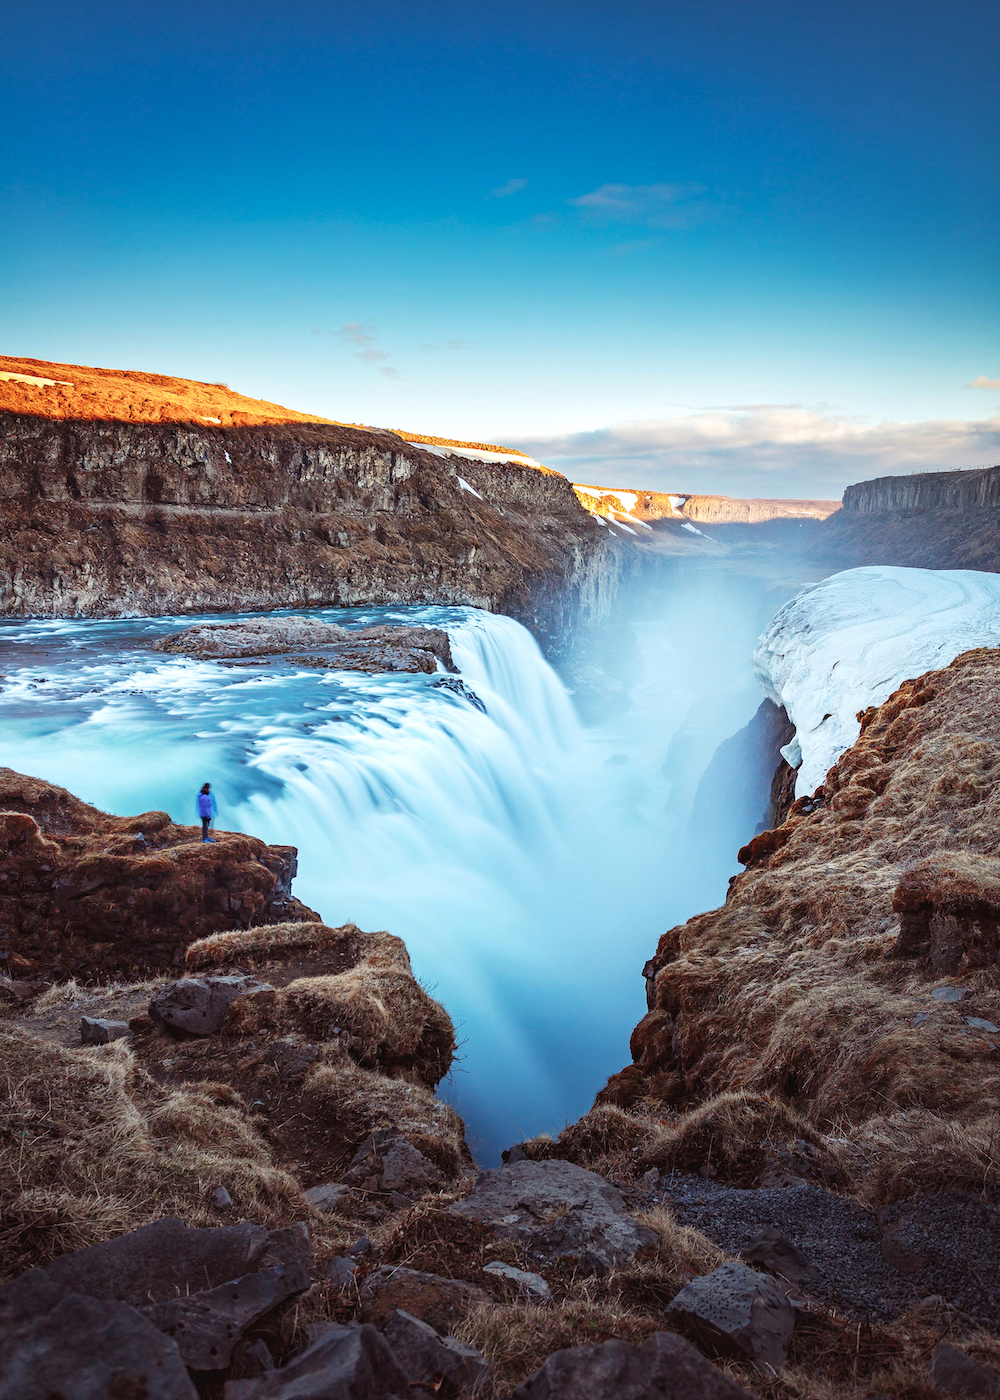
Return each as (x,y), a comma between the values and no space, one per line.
(734,246)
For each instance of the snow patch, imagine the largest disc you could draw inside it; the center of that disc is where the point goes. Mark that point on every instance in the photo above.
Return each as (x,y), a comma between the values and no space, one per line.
(848,642)
(206,419)
(694,530)
(677,501)
(474,455)
(464,485)
(626,528)
(32,379)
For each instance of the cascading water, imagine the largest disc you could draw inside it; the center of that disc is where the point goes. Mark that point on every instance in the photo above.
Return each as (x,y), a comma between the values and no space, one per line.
(529,863)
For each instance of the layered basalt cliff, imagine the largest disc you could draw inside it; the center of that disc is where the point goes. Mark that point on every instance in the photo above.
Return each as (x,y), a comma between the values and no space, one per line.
(943,520)
(112,519)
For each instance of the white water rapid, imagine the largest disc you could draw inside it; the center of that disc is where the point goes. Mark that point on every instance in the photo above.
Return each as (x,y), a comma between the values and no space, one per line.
(529,863)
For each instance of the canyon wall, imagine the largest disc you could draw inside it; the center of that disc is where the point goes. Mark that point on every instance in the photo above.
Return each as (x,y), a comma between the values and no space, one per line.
(113,518)
(925,491)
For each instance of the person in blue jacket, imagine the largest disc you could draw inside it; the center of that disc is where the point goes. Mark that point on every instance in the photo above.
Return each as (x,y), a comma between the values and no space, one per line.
(207,811)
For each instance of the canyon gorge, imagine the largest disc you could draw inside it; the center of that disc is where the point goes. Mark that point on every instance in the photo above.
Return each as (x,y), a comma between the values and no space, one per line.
(478,736)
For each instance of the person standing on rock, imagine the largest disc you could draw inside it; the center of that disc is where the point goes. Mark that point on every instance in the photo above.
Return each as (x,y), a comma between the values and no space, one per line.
(207,811)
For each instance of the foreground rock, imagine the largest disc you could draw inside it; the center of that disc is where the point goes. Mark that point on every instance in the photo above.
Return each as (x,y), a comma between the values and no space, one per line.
(734,1311)
(440,1302)
(957,1374)
(558,1211)
(347,1363)
(383,648)
(90,1349)
(427,1357)
(91,895)
(665,1367)
(198,1005)
(387,1162)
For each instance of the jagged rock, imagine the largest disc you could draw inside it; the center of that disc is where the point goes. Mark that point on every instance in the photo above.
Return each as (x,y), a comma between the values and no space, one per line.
(532,1285)
(207,1325)
(95,1030)
(386,1161)
(253,1358)
(347,1363)
(198,1005)
(381,648)
(781,1257)
(442,1302)
(426,1357)
(734,1311)
(327,1197)
(558,1211)
(340,1271)
(158,1262)
(664,1367)
(953,1371)
(90,1349)
(221,1199)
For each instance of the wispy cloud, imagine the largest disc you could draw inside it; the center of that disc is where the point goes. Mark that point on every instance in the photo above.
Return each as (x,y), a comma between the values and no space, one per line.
(655,206)
(763,450)
(511,187)
(983,383)
(367,347)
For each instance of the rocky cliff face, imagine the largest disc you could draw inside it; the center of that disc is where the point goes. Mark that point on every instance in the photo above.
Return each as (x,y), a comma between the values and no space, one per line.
(112,518)
(925,491)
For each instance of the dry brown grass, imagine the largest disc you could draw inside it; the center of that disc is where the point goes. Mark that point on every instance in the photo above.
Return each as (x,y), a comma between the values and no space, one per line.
(253,947)
(91,1147)
(793,991)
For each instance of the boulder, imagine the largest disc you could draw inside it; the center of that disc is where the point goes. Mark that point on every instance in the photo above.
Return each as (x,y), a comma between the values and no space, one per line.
(734,1311)
(426,1357)
(386,1161)
(198,1005)
(558,1211)
(327,1197)
(347,1363)
(253,1358)
(206,1326)
(95,1030)
(340,1272)
(533,1286)
(442,1302)
(90,1349)
(958,1374)
(292,1249)
(664,1367)
(779,1256)
(160,1261)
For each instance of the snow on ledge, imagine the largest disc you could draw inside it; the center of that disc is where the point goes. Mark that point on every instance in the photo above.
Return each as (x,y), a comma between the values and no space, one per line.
(851,640)
(474,455)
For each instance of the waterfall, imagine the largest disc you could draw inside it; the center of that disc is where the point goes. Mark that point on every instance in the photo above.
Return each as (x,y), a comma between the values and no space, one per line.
(529,863)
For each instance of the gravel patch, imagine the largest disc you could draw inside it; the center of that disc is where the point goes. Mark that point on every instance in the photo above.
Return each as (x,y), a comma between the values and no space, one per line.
(872,1263)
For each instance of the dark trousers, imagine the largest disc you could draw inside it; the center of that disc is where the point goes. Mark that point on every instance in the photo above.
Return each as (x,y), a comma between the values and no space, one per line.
(206,822)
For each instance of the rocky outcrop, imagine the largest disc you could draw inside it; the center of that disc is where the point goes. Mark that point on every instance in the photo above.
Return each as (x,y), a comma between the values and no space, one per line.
(89,895)
(374,649)
(111,519)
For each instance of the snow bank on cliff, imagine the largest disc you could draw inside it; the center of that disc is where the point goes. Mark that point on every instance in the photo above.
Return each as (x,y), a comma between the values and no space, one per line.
(851,640)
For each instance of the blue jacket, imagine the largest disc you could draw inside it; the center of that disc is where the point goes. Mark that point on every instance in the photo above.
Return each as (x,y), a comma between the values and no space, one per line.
(207,805)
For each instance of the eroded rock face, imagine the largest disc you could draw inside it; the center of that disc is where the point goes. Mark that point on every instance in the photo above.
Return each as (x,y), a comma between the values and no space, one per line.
(88,894)
(558,1211)
(353,1362)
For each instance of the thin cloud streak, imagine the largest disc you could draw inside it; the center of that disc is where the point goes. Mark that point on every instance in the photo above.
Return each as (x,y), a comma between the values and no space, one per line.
(655,206)
(981,382)
(764,451)
(511,187)
(367,347)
